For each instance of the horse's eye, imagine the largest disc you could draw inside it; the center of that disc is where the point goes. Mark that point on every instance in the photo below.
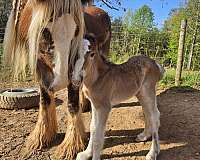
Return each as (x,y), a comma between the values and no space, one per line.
(92,55)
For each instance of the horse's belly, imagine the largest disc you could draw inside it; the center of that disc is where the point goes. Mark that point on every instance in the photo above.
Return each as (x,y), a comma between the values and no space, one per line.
(122,96)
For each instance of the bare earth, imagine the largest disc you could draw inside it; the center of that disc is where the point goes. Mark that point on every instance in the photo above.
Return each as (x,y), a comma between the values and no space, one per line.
(179,132)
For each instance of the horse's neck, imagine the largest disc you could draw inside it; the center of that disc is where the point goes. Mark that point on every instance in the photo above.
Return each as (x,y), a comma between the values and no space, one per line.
(97,71)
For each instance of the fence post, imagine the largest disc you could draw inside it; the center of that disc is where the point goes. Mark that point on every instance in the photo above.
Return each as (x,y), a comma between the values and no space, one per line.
(180,52)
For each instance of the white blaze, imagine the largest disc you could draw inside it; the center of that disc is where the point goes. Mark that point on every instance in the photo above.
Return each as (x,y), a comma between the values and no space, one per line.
(79,63)
(62,35)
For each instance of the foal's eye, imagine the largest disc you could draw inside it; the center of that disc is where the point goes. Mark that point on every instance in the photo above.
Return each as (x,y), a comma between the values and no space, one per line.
(92,55)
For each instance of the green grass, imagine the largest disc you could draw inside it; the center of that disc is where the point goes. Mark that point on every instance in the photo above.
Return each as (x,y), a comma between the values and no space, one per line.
(188,78)
(118,59)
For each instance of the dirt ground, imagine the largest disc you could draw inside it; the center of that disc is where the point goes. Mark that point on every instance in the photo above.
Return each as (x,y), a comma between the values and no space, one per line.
(179,131)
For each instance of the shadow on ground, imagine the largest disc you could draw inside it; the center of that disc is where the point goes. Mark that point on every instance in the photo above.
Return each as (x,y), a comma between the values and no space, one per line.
(179,131)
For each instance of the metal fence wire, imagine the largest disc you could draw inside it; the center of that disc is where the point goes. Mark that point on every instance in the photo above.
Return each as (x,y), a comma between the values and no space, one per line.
(123,45)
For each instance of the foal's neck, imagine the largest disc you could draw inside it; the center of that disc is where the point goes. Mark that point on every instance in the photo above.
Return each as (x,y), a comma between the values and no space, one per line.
(98,70)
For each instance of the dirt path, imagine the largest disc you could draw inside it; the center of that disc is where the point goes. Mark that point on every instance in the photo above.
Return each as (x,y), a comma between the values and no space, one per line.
(179,132)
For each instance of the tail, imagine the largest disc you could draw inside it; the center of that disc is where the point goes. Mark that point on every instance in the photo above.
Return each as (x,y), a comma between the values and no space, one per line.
(161,70)
(11,42)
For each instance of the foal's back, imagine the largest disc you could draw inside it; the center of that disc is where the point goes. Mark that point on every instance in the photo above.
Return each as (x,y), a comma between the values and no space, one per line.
(125,80)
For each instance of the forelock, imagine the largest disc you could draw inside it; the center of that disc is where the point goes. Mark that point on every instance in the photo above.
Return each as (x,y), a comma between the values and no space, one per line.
(86,45)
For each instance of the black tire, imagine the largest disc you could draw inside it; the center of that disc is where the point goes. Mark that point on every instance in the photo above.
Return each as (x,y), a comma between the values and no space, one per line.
(19,98)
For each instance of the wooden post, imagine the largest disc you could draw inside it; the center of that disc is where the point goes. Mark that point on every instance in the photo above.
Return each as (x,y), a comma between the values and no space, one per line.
(180,52)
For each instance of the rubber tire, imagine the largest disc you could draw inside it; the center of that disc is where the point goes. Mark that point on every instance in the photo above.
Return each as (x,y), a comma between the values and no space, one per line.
(19,98)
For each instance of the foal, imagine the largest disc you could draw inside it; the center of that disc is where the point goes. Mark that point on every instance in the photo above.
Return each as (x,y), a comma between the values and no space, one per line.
(106,84)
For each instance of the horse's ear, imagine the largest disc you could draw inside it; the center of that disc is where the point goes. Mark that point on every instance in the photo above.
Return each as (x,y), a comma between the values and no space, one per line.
(91,38)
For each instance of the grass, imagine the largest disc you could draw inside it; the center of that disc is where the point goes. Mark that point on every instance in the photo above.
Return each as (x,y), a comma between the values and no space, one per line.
(118,59)
(189,78)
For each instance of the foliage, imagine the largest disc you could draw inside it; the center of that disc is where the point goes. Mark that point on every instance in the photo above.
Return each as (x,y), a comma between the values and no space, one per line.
(5,6)
(172,26)
(135,33)
(189,78)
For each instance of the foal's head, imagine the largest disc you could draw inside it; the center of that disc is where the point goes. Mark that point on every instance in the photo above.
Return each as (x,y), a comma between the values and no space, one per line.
(88,60)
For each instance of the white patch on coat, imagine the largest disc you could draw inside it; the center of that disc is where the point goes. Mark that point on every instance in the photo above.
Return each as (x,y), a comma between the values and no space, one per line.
(76,76)
(63,31)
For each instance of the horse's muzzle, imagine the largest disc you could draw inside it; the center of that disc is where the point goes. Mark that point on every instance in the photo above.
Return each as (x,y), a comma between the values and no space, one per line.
(77,82)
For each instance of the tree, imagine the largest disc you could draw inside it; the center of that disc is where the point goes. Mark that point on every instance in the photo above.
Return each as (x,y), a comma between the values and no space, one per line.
(172,28)
(194,15)
(143,18)
(5,7)
(190,12)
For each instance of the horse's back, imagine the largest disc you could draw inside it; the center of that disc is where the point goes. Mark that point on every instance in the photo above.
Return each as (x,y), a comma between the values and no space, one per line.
(149,66)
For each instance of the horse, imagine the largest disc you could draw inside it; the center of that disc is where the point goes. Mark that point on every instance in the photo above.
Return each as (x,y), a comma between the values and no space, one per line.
(97,22)
(106,84)
(45,37)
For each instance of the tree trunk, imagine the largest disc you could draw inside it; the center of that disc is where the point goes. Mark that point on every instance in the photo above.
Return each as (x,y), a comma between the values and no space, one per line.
(193,44)
(138,45)
(180,52)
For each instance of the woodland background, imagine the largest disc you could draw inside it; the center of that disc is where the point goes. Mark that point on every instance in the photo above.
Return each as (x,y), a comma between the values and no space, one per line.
(136,33)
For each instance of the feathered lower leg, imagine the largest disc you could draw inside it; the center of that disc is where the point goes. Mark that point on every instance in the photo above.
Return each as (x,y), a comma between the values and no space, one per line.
(74,141)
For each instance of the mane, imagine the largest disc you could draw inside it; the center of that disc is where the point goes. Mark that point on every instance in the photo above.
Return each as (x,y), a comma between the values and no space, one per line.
(106,61)
(22,53)
(44,11)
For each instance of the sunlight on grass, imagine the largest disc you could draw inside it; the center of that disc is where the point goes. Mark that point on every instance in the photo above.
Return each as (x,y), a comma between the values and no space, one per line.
(189,78)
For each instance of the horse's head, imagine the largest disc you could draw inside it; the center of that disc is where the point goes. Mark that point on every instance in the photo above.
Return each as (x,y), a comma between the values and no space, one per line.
(87,59)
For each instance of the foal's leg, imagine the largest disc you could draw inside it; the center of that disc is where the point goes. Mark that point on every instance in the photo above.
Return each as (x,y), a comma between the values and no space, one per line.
(88,152)
(146,134)
(102,113)
(97,128)
(147,97)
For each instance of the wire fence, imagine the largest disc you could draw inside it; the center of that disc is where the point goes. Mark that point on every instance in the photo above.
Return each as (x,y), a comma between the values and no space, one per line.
(124,43)
(123,46)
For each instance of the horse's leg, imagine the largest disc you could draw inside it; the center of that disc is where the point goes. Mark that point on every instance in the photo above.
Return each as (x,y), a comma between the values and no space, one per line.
(74,140)
(97,129)
(46,125)
(102,113)
(146,134)
(148,100)
(88,152)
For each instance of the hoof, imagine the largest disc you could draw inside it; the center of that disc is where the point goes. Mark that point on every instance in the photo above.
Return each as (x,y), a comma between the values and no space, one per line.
(82,156)
(142,137)
(151,157)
